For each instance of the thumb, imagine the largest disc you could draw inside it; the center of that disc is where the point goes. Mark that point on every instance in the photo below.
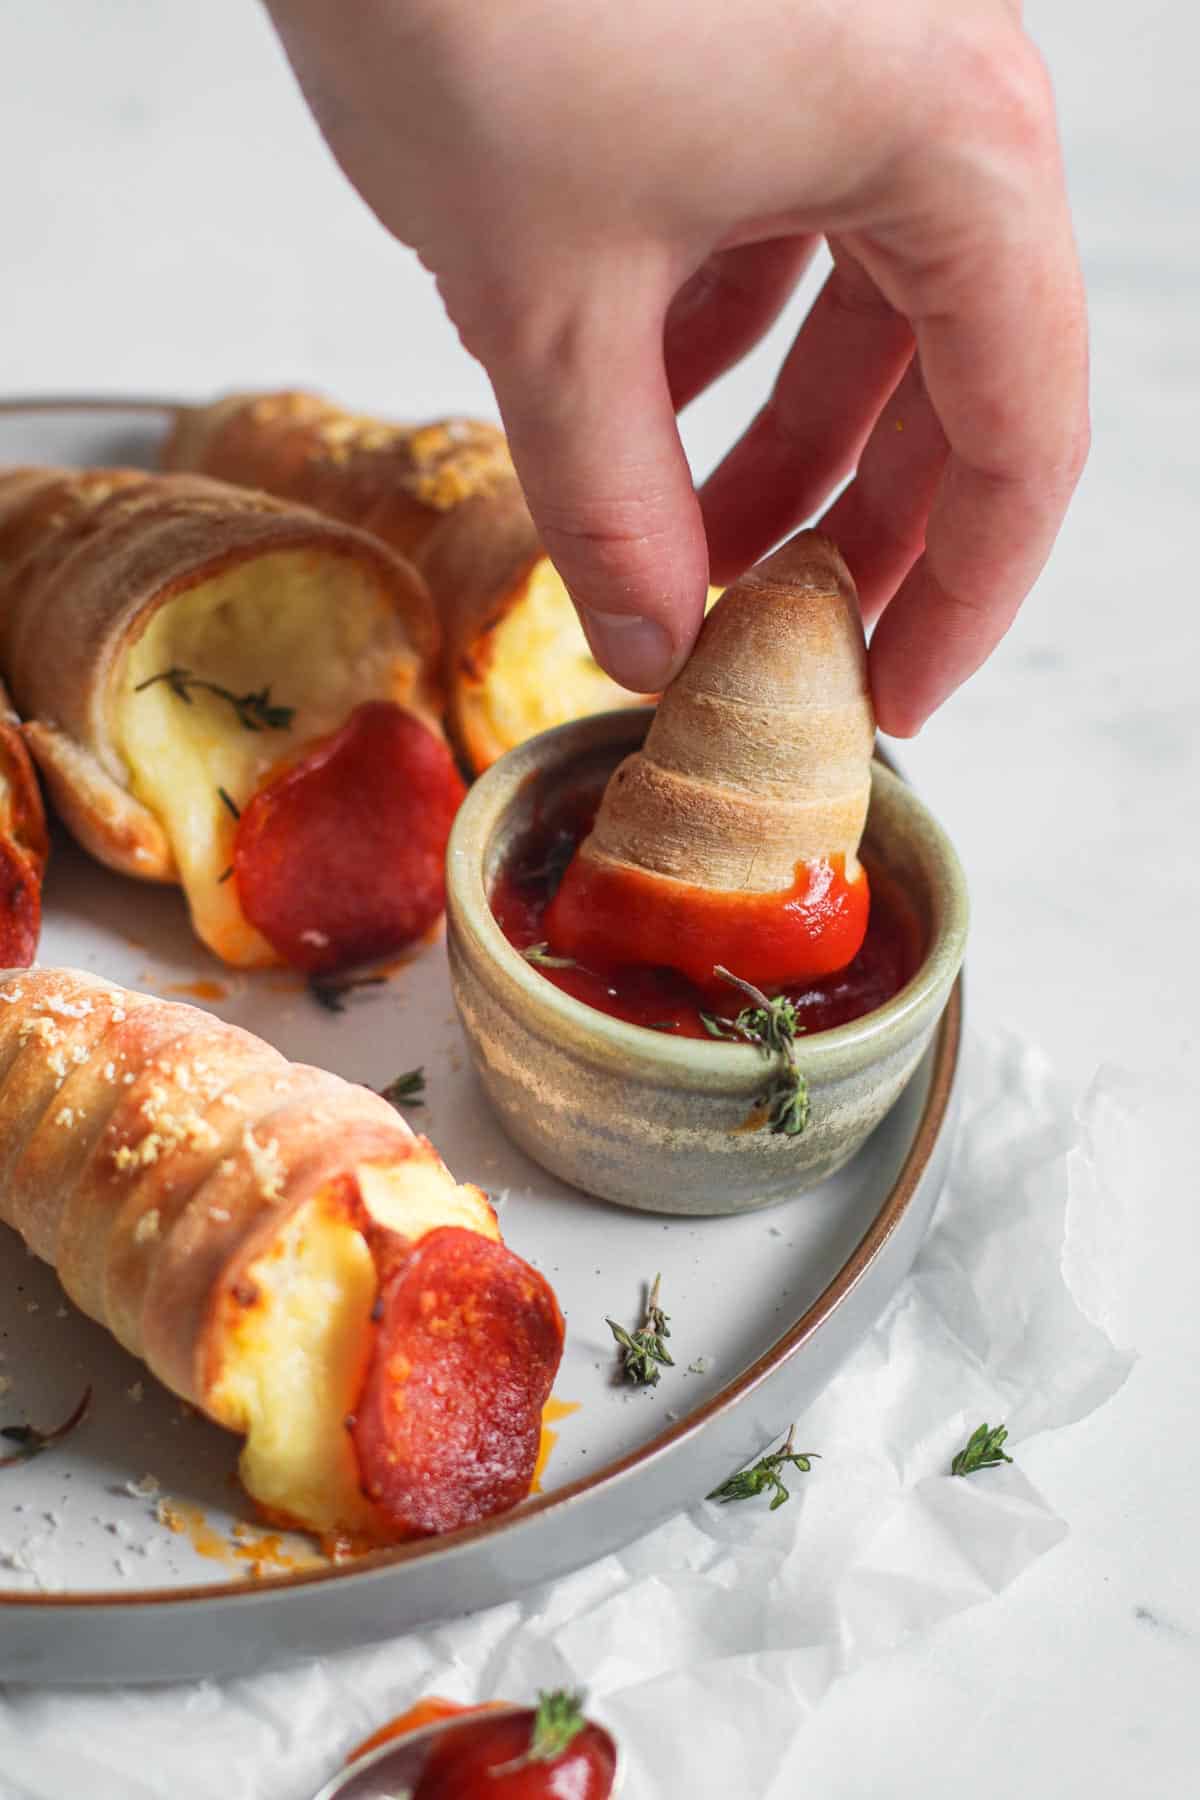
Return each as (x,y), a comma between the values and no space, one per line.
(588,413)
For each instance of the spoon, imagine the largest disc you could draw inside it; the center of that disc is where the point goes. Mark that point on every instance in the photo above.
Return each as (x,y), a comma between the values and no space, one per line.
(389,1772)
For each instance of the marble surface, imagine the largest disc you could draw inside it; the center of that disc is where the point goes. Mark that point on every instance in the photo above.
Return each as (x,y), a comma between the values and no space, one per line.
(171,224)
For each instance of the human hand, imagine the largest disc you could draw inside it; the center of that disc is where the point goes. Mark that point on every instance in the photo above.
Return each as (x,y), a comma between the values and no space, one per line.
(616,203)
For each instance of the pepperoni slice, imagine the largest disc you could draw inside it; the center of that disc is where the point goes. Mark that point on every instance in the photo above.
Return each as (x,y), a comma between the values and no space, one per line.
(24,847)
(448,1422)
(339,858)
(20,906)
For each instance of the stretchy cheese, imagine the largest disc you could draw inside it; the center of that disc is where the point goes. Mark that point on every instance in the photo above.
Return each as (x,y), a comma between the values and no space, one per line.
(515,660)
(281,1251)
(176,646)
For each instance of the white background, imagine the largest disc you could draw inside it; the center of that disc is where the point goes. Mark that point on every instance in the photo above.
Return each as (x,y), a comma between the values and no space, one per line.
(171,224)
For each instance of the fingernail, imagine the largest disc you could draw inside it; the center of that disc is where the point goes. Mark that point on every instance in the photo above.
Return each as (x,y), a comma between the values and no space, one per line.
(636,652)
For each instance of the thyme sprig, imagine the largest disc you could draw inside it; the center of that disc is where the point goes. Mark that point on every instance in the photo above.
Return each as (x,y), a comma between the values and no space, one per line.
(984,1449)
(406,1090)
(255,709)
(541,957)
(31,1442)
(643,1350)
(332,991)
(229,803)
(556,1724)
(765,1475)
(771,1026)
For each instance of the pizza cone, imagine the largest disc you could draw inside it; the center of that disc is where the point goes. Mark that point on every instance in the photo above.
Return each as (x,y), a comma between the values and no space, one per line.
(281,1251)
(515,659)
(24,846)
(731,837)
(232,693)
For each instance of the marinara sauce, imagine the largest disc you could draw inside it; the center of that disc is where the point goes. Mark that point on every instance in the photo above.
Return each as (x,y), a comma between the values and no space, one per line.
(661,998)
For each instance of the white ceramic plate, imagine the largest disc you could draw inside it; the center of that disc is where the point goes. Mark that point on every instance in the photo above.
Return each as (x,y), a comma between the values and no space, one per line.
(126,1553)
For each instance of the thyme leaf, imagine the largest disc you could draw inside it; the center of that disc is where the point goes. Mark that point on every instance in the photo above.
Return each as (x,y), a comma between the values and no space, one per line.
(541,958)
(984,1449)
(556,1724)
(255,709)
(331,991)
(406,1090)
(765,1475)
(643,1350)
(228,801)
(771,1025)
(31,1442)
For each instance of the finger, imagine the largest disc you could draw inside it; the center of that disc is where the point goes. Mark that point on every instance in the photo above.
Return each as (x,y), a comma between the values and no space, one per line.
(878,522)
(585,401)
(1003,346)
(848,356)
(723,310)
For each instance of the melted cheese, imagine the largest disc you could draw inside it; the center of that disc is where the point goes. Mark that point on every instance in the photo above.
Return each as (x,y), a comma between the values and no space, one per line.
(321,633)
(294,1359)
(540,671)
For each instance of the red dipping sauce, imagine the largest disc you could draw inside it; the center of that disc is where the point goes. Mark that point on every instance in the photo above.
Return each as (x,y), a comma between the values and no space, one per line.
(664,1000)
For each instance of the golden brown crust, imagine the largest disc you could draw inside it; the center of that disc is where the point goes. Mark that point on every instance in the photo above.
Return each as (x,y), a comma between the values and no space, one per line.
(86,559)
(150,1152)
(478,564)
(396,481)
(759,755)
(444,494)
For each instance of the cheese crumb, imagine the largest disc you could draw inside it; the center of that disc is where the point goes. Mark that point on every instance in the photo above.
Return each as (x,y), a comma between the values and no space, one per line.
(42,1028)
(266,1164)
(147,1228)
(135,1393)
(66,1009)
(5,1383)
(10,996)
(65,1116)
(145,1489)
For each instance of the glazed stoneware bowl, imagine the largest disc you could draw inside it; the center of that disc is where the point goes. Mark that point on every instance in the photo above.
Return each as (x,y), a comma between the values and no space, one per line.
(654,1122)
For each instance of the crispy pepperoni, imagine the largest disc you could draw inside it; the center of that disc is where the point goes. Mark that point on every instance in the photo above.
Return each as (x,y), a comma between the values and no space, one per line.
(20,906)
(24,847)
(339,858)
(449,1419)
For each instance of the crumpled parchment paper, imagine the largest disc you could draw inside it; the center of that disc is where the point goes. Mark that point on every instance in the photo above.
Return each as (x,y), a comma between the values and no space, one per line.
(734,1613)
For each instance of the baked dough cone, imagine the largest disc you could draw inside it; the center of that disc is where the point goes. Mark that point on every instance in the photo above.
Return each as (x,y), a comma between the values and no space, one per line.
(24,846)
(281,1252)
(182,651)
(515,658)
(732,836)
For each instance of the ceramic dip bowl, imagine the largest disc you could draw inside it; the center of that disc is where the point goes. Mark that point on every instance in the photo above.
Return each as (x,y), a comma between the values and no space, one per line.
(662,1123)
